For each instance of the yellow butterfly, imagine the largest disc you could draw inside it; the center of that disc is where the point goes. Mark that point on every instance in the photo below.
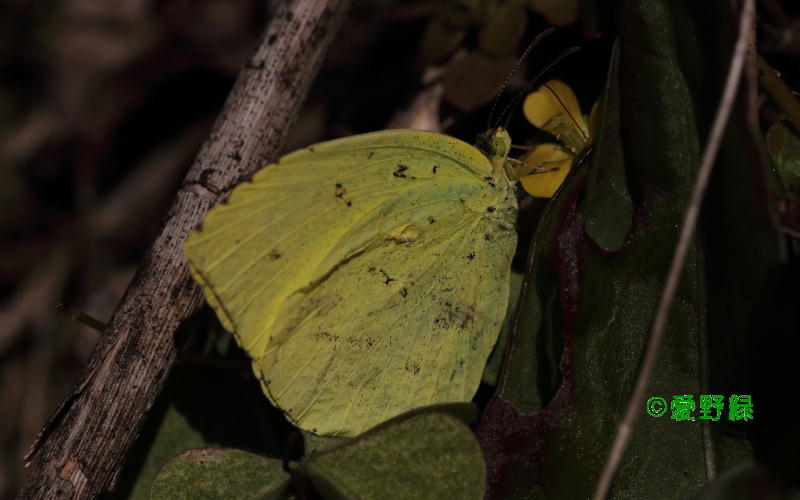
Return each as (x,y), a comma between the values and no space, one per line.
(365,276)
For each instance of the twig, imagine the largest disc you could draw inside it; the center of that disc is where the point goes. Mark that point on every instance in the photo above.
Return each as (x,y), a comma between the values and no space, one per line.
(81,317)
(633,409)
(79,452)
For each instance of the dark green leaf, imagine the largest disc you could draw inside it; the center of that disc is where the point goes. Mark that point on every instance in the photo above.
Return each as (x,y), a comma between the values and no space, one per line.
(492,370)
(586,313)
(783,145)
(608,208)
(220,473)
(175,435)
(199,406)
(430,455)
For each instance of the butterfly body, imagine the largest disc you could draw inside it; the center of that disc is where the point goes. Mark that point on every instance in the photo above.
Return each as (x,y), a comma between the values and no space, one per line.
(364,276)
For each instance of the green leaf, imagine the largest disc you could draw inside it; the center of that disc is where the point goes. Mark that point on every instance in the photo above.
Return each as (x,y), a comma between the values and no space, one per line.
(747,280)
(492,370)
(783,145)
(586,313)
(198,407)
(466,412)
(212,473)
(429,455)
(608,208)
(174,434)
(313,444)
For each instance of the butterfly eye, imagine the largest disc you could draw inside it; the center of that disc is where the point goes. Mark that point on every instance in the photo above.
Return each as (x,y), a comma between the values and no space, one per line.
(494,143)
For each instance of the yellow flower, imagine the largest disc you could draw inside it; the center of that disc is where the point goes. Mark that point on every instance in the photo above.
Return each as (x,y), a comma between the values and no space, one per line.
(554,109)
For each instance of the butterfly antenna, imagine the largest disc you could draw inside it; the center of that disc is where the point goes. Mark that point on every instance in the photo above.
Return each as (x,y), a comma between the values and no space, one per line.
(514,102)
(502,88)
(577,126)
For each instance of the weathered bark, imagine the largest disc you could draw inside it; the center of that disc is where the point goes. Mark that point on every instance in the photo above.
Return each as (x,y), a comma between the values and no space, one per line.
(79,452)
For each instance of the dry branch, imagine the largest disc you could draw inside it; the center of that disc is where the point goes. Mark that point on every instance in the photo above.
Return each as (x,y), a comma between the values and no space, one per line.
(78,454)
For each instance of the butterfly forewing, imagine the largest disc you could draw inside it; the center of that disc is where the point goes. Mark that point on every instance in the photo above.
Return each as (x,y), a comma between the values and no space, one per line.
(365,276)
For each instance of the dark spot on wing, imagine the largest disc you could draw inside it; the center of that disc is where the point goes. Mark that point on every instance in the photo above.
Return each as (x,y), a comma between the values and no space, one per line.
(371,269)
(470,256)
(340,191)
(271,39)
(358,342)
(431,220)
(488,237)
(400,171)
(386,275)
(469,317)
(404,292)
(434,169)
(412,368)
(461,200)
(461,317)
(370,154)
(329,337)
(490,209)
(274,255)
(490,181)
(349,203)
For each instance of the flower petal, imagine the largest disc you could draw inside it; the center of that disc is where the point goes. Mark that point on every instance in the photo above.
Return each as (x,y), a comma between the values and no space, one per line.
(539,157)
(554,108)
(544,169)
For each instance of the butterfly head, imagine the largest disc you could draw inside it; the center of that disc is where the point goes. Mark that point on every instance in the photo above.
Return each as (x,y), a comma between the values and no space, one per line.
(495,143)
